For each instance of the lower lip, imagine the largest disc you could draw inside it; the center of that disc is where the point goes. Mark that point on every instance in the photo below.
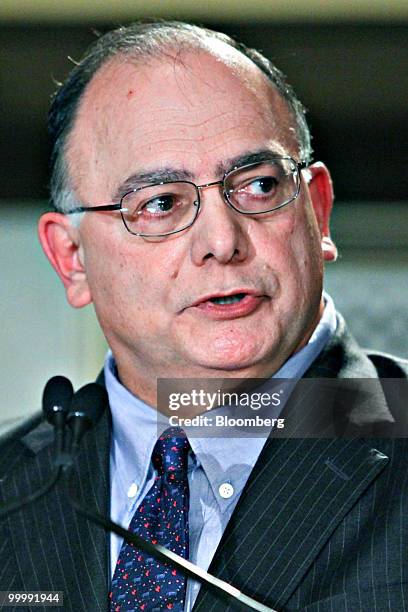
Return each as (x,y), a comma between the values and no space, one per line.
(222,312)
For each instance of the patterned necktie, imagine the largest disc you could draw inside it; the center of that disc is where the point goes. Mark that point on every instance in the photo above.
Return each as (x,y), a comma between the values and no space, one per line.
(141,582)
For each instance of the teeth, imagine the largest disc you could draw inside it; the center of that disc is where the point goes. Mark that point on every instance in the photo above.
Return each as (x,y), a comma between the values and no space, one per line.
(232,299)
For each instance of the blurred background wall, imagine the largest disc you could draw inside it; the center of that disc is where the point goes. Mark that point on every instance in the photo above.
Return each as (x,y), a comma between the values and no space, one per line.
(348,62)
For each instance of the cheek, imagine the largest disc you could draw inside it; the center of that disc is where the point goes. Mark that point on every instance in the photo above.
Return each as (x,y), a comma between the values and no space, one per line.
(307,257)
(108,262)
(277,244)
(290,245)
(129,275)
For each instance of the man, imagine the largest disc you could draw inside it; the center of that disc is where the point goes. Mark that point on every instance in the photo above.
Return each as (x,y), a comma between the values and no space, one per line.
(189,213)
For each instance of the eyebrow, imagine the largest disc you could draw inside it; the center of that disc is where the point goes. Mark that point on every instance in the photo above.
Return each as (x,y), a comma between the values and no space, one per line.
(159,175)
(138,179)
(251,157)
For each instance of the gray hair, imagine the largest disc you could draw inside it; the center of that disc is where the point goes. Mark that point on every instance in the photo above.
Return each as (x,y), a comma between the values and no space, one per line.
(141,41)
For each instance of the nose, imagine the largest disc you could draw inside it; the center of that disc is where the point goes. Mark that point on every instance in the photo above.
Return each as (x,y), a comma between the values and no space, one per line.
(219,233)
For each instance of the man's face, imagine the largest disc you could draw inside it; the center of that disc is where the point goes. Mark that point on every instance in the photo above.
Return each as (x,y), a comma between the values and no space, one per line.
(153,298)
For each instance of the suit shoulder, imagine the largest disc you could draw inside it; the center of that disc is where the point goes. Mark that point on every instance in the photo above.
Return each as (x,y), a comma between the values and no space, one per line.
(26,437)
(19,429)
(388,366)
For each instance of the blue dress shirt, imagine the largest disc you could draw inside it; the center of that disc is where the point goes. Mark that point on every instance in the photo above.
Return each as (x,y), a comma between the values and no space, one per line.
(218,468)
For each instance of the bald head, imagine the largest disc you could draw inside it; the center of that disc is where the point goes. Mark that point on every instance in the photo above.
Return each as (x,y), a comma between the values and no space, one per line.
(166,42)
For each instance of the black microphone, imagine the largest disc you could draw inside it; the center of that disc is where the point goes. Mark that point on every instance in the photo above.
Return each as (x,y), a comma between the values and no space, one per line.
(87,407)
(56,400)
(57,397)
(60,406)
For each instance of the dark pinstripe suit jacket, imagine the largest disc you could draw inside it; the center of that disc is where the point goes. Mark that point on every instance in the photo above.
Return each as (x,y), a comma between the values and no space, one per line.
(322,524)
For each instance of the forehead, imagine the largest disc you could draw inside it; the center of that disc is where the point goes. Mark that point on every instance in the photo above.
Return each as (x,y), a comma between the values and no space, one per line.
(192,109)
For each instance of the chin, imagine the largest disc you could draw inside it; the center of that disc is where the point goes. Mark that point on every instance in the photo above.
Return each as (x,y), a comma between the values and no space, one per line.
(226,356)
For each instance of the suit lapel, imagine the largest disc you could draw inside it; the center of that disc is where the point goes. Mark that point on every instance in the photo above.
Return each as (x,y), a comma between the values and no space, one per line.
(53,547)
(297,494)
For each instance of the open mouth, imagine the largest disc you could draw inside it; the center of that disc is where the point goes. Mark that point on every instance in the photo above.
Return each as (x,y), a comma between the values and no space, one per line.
(231,299)
(221,307)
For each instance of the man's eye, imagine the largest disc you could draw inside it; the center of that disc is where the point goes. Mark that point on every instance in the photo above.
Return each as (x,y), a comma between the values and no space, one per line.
(159,205)
(263,185)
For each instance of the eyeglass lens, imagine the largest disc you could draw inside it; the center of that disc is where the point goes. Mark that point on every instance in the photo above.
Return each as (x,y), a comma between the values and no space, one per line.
(170,207)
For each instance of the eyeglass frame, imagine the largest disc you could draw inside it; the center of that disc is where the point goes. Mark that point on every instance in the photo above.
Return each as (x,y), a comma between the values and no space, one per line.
(301,165)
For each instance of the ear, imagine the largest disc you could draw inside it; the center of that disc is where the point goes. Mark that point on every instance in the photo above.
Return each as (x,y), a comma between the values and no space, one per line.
(61,244)
(321,194)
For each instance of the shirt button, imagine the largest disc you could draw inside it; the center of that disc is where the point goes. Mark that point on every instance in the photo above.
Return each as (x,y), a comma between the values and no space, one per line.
(226,490)
(132,490)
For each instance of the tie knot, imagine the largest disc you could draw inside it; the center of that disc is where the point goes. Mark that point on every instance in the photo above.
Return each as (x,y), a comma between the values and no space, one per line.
(170,453)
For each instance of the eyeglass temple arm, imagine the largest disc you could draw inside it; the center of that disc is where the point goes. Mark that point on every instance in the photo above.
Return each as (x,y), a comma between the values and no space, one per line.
(103,207)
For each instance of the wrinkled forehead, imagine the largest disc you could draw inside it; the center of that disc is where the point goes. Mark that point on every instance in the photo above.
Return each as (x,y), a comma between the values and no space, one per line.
(131,103)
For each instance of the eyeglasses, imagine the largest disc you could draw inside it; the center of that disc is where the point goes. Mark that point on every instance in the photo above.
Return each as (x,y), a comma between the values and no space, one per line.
(170,207)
